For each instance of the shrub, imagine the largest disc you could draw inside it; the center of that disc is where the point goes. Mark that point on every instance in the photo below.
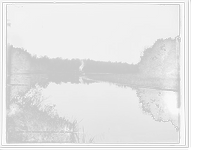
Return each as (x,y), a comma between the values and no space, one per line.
(13,108)
(38,122)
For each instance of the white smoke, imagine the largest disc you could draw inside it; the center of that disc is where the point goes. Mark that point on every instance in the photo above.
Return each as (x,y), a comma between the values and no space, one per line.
(81,66)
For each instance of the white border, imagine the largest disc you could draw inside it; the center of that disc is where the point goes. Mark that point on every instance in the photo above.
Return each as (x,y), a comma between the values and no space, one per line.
(186,66)
(186,84)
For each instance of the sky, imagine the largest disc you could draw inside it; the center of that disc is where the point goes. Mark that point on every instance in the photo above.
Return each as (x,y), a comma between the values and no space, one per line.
(102,31)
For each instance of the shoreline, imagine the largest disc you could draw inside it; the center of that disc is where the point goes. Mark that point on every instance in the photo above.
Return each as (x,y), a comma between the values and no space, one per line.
(170,84)
(132,85)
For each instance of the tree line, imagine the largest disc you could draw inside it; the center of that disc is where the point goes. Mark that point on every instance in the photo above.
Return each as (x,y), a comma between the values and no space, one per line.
(19,61)
(161,60)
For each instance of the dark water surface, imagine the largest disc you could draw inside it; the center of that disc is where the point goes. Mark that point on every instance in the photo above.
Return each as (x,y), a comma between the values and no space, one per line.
(106,112)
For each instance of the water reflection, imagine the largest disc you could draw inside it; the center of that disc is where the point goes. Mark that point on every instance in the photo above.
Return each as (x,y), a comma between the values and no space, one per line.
(20,84)
(64,78)
(161,105)
(78,109)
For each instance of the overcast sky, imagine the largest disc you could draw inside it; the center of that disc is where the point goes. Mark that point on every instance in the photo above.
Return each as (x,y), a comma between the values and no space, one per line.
(105,32)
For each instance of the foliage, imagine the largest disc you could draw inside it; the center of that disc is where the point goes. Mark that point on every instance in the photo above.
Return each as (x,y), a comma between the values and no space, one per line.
(160,59)
(19,60)
(155,103)
(36,121)
(22,61)
(13,108)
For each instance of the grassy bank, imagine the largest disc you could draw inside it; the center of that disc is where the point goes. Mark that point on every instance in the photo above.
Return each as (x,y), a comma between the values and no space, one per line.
(28,121)
(138,79)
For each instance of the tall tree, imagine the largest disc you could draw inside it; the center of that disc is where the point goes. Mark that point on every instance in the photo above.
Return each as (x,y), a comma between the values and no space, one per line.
(160,59)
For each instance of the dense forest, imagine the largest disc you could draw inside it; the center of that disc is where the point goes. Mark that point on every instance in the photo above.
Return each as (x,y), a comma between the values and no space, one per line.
(161,60)
(19,60)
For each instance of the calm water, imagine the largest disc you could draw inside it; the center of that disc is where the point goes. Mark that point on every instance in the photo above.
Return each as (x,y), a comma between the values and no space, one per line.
(105,112)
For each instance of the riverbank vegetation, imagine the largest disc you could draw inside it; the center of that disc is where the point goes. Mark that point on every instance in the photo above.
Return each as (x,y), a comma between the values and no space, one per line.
(28,121)
(161,60)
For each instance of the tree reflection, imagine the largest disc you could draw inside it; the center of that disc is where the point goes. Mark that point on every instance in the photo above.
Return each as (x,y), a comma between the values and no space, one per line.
(65,78)
(19,84)
(161,105)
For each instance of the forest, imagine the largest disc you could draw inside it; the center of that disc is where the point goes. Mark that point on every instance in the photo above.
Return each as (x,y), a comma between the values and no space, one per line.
(20,61)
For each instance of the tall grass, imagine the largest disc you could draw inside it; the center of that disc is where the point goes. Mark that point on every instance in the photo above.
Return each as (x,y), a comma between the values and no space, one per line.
(29,120)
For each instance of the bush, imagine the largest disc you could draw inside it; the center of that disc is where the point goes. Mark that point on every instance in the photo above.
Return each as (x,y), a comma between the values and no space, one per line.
(38,123)
(14,108)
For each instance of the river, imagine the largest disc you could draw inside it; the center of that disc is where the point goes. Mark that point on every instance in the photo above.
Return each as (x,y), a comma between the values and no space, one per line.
(105,112)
